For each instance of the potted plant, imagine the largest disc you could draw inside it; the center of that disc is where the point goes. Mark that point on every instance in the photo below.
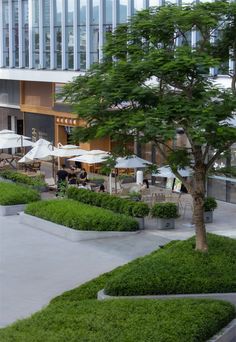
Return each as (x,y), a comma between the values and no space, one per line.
(210,205)
(135,196)
(166,213)
(139,211)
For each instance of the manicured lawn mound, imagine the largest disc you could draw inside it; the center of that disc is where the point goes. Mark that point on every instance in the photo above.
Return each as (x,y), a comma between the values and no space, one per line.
(123,320)
(17,177)
(178,269)
(80,216)
(12,194)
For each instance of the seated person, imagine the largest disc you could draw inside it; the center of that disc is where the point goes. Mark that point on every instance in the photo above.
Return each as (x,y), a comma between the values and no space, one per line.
(72,179)
(83,175)
(84,185)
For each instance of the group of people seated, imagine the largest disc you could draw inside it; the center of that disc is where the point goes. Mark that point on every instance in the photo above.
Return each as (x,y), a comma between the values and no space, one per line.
(74,178)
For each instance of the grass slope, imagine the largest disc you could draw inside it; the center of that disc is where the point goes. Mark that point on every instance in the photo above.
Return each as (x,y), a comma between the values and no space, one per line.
(178,268)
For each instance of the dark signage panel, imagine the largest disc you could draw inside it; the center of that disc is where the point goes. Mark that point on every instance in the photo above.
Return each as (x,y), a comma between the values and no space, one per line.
(39,126)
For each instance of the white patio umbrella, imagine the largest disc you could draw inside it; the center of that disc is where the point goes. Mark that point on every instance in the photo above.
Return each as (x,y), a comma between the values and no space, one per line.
(14,142)
(42,150)
(67,151)
(8,134)
(165,171)
(131,162)
(91,158)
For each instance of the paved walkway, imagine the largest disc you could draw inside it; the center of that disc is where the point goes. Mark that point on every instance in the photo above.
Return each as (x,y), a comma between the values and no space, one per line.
(36,266)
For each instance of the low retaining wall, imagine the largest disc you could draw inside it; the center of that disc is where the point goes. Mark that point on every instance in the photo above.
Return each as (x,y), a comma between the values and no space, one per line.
(68,233)
(230,297)
(227,334)
(7,210)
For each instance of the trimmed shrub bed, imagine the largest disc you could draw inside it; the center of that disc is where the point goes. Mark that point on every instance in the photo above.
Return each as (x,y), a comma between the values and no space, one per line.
(17,177)
(127,320)
(77,315)
(179,269)
(116,204)
(80,216)
(13,194)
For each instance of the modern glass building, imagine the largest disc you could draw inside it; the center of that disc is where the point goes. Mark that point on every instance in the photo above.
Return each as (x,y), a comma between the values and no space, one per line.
(44,44)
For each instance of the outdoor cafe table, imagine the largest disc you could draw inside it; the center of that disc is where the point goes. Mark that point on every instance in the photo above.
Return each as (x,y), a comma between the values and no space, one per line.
(7,159)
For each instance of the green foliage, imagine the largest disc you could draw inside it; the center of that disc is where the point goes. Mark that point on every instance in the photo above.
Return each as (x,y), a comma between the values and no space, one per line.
(77,315)
(210,204)
(165,210)
(123,320)
(81,216)
(116,204)
(36,181)
(180,269)
(12,194)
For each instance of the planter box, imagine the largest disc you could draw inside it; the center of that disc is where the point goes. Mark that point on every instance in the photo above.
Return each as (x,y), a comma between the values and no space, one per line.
(140,221)
(68,233)
(7,210)
(165,223)
(208,216)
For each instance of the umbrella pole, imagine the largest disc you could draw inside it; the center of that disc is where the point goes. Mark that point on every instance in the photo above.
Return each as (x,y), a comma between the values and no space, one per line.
(110,184)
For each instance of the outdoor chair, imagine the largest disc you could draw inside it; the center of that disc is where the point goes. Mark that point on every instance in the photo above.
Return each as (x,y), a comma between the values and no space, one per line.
(51,183)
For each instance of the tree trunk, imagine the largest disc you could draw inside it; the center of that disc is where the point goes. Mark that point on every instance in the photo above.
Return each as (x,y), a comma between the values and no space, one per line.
(198,195)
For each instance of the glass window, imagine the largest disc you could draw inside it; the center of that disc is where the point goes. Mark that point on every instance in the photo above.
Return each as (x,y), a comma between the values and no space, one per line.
(58,33)
(153,3)
(25,31)
(95,32)
(5,19)
(82,34)
(46,34)
(123,11)
(15,23)
(138,5)
(70,34)
(35,33)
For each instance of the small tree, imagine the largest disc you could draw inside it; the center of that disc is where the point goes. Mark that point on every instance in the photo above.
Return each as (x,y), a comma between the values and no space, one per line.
(154,82)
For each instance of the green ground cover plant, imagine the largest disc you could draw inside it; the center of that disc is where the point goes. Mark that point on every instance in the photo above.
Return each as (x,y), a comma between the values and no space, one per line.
(107,201)
(12,194)
(180,269)
(76,315)
(123,320)
(36,181)
(81,216)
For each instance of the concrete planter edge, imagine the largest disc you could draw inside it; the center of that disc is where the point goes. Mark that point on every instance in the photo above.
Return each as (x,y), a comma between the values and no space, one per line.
(7,210)
(68,233)
(165,223)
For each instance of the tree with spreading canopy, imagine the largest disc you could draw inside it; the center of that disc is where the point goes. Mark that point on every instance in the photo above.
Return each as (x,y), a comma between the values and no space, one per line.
(154,81)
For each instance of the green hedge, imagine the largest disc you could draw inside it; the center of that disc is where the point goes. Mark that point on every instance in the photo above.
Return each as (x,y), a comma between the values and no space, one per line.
(12,194)
(180,269)
(165,210)
(114,203)
(17,177)
(81,216)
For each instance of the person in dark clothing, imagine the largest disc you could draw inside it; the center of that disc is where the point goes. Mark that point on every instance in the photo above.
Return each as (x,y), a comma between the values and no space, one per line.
(83,176)
(72,179)
(62,176)
(145,182)
(101,188)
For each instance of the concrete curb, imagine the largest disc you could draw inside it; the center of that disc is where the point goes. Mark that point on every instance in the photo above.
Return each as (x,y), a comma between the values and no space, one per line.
(68,233)
(227,334)
(230,297)
(7,210)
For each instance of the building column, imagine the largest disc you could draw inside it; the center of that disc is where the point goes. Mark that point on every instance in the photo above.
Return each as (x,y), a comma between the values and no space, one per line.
(115,13)
(101,28)
(64,55)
